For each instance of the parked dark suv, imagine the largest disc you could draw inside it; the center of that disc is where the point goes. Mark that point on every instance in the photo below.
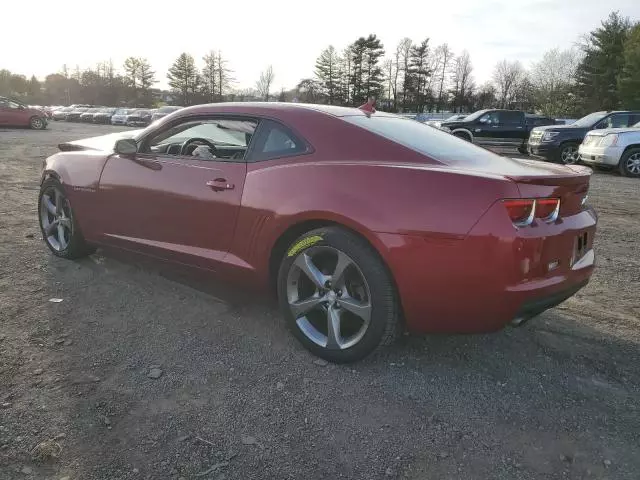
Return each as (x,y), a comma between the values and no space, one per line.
(559,143)
(496,127)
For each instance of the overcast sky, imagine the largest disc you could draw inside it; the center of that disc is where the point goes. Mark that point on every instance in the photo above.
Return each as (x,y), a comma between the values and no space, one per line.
(38,36)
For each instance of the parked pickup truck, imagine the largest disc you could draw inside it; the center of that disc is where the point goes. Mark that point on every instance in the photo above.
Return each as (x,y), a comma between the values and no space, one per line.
(496,127)
(559,143)
(613,147)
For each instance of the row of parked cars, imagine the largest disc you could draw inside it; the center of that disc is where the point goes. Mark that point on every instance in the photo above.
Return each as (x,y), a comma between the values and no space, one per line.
(133,117)
(608,139)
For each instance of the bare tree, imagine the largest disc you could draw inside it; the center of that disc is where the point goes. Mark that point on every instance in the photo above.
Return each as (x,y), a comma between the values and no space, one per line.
(390,70)
(507,75)
(553,78)
(444,55)
(263,85)
(462,81)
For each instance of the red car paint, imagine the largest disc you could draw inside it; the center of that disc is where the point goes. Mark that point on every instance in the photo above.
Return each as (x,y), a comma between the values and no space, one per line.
(459,263)
(16,114)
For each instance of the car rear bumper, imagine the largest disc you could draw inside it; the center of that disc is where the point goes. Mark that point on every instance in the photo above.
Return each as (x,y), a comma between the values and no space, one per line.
(600,155)
(489,279)
(543,150)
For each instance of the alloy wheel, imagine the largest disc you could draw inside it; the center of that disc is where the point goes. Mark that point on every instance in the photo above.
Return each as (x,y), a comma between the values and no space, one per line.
(36,123)
(570,155)
(633,164)
(55,217)
(329,298)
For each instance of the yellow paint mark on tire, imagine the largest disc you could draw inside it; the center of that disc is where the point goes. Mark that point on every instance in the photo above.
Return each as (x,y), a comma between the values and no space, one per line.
(304,243)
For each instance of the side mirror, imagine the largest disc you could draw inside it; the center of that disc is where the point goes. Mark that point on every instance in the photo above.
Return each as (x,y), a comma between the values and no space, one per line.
(20,107)
(126,146)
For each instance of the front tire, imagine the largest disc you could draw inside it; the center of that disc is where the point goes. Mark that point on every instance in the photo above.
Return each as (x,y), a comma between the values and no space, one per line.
(569,154)
(58,225)
(462,136)
(37,123)
(337,296)
(630,163)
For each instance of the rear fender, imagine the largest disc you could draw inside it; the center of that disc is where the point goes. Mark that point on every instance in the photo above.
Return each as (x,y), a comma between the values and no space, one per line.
(431,202)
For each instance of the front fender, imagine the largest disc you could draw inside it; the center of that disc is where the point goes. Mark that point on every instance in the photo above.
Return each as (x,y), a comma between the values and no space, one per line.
(79,173)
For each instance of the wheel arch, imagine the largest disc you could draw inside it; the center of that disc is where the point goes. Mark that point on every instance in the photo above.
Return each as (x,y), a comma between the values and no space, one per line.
(299,228)
(629,147)
(464,131)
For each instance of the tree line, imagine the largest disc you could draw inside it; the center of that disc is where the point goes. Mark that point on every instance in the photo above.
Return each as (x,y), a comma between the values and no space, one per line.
(602,72)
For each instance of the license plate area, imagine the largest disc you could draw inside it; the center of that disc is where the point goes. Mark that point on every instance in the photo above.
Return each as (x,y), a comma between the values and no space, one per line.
(580,247)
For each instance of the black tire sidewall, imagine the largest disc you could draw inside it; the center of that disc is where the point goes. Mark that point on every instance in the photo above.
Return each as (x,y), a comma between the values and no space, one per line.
(384,305)
(77,247)
(623,163)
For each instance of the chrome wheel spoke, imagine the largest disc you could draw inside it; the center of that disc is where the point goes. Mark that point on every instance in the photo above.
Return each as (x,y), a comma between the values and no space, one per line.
(61,240)
(358,308)
(334,338)
(337,278)
(305,263)
(52,228)
(65,222)
(51,208)
(302,307)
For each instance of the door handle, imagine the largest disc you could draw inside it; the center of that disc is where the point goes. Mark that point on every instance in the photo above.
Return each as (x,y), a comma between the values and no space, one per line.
(220,184)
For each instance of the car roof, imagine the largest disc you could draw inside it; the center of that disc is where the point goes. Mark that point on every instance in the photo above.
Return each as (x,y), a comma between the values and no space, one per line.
(276,107)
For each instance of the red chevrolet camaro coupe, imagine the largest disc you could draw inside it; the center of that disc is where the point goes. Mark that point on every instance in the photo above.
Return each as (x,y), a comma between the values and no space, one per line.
(363,223)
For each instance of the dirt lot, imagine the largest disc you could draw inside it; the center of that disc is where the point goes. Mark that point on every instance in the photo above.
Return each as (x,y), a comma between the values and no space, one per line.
(238,398)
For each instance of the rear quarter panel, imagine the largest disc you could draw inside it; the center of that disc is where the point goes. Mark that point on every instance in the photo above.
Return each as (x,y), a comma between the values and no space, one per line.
(369,198)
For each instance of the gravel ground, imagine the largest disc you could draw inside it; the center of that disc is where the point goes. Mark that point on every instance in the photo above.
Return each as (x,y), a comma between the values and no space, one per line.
(140,374)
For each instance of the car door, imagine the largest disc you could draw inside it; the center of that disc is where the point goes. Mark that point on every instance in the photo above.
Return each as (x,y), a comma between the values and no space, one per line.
(166,202)
(512,129)
(487,129)
(12,114)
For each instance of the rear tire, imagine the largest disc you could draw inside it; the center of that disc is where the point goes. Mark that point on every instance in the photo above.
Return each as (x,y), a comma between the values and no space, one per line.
(629,165)
(37,123)
(340,317)
(60,230)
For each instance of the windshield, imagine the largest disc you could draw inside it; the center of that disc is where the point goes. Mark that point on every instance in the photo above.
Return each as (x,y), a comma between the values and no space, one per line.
(123,111)
(432,142)
(141,112)
(590,119)
(456,117)
(475,115)
(637,125)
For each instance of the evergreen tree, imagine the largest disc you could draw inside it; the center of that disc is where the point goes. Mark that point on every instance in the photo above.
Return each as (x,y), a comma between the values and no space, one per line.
(357,52)
(598,73)
(328,73)
(629,80)
(131,74)
(183,78)
(373,75)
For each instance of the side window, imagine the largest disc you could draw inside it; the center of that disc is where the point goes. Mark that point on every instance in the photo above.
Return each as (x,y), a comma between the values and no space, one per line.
(489,118)
(4,103)
(277,141)
(210,139)
(14,105)
(619,120)
(510,118)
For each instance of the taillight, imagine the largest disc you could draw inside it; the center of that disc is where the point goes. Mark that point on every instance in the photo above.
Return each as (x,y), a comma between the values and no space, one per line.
(523,211)
(547,209)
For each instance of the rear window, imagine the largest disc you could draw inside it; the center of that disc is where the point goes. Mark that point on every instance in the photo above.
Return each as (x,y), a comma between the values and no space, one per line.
(430,141)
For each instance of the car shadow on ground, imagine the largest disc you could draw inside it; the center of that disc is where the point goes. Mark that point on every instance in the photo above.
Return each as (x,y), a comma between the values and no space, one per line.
(546,400)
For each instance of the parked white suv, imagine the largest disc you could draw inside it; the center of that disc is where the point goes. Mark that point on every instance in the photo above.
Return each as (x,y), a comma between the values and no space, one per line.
(614,147)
